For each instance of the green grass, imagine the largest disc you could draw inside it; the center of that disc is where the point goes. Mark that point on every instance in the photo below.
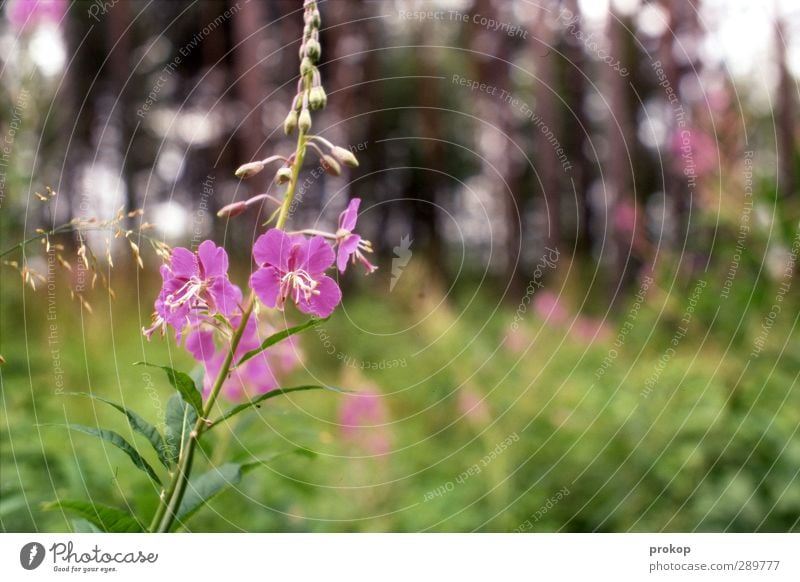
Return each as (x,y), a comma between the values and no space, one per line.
(713,446)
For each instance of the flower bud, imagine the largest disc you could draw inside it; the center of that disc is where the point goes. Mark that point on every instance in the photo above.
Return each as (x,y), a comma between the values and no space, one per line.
(313,49)
(290,123)
(317,99)
(283,175)
(331,166)
(305,120)
(306,66)
(345,156)
(249,169)
(315,20)
(232,210)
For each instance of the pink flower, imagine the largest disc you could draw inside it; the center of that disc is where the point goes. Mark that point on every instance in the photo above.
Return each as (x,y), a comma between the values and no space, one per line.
(473,407)
(25,13)
(252,377)
(363,419)
(294,267)
(349,244)
(195,287)
(695,152)
(589,330)
(549,307)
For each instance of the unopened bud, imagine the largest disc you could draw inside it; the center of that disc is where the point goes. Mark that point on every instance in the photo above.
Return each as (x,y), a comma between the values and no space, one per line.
(317,99)
(304,122)
(290,123)
(315,20)
(306,66)
(345,156)
(231,210)
(283,175)
(331,166)
(313,49)
(250,169)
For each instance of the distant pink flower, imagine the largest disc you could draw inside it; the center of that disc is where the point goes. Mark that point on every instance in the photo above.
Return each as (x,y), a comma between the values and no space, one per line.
(473,406)
(350,244)
(549,307)
(293,267)
(695,152)
(195,287)
(363,417)
(625,217)
(27,13)
(590,330)
(517,340)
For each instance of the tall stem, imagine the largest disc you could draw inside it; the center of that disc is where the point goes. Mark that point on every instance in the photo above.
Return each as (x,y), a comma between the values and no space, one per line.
(173,495)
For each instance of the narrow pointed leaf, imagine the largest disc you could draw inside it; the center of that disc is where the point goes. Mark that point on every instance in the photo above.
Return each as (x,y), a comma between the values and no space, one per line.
(118,441)
(256,402)
(140,425)
(81,525)
(179,418)
(184,384)
(280,336)
(107,519)
(203,487)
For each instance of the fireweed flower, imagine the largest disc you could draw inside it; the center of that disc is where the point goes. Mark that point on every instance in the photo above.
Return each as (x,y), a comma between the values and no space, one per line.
(253,377)
(364,421)
(293,267)
(195,288)
(350,244)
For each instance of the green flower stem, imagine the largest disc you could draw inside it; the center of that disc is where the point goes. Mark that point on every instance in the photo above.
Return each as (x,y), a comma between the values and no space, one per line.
(172,500)
(173,495)
(299,156)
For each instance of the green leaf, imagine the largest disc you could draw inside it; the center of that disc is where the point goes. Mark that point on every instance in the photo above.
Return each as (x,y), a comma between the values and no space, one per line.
(184,384)
(271,394)
(81,525)
(179,418)
(280,336)
(118,441)
(108,519)
(140,425)
(203,487)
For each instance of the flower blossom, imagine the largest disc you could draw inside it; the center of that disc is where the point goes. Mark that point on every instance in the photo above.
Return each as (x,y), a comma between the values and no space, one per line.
(253,377)
(350,244)
(293,267)
(195,288)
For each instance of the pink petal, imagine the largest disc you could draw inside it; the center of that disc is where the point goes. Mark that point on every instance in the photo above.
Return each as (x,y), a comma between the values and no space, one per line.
(325,302)
(266,284)
(201,345)
(227,296)
(184,263)
(347,219)
(317,255)
(214,259)
(346,248)
(272,248)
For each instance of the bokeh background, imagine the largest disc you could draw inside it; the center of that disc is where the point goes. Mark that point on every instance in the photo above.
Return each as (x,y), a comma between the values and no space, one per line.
(585,215)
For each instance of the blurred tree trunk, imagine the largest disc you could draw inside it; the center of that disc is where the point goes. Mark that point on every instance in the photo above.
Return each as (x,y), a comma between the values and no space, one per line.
(425,186)
(786,120)
(122,114)
(492,55)
(249,77)
(618,157)
(547,166)
(576,142)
